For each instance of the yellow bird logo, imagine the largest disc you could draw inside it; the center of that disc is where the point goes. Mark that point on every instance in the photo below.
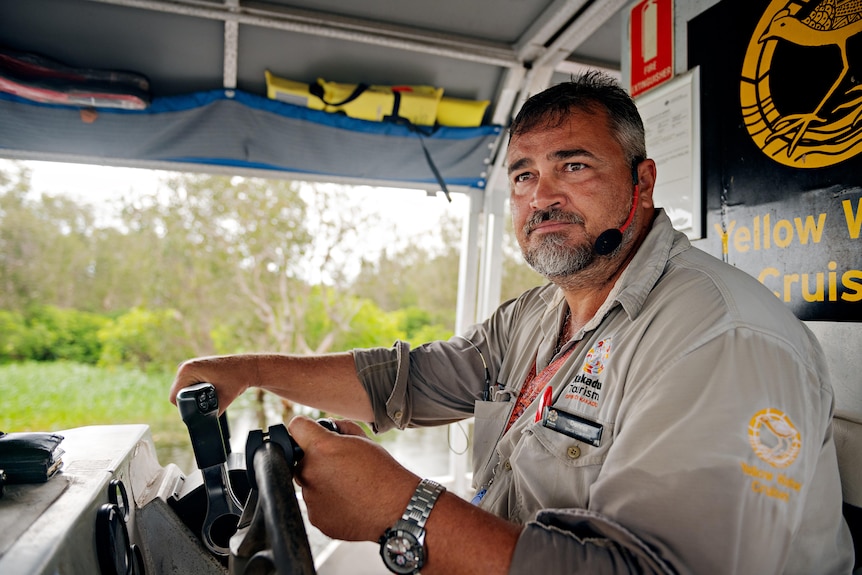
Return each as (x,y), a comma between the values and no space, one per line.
(831,130)
(774,438)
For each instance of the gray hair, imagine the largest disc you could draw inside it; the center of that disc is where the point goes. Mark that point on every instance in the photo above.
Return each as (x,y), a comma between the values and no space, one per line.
(588,92)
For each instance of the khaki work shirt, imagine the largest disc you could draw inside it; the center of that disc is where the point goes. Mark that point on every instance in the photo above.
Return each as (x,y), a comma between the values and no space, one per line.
(711,403)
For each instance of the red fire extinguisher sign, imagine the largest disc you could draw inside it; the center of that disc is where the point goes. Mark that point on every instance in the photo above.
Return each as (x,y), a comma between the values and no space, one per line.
(651,44)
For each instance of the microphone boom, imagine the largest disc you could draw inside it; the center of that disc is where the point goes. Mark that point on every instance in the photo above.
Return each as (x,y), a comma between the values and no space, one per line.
(610,239)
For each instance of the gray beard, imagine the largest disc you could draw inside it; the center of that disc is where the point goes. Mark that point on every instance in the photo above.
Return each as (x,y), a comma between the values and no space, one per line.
(552,258)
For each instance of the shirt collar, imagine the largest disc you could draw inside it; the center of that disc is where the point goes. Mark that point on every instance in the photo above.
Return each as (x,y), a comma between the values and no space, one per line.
(661,244)
(635,283)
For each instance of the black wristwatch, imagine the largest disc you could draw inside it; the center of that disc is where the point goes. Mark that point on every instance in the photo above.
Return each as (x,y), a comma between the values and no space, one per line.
(402,546)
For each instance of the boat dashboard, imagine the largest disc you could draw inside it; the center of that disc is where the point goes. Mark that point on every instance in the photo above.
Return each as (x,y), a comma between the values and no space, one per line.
(113,509)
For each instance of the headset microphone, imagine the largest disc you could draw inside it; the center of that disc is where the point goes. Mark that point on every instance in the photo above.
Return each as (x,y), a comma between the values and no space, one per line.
(609,240)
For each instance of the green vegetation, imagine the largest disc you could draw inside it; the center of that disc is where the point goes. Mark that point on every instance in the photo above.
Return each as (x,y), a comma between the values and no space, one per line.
(46,333)
(50,396)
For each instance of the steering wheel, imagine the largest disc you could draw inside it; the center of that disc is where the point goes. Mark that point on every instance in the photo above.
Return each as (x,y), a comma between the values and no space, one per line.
(271,536)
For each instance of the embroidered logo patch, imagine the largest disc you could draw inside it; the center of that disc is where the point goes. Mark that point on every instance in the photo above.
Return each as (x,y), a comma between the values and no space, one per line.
(774,438)
(597,356)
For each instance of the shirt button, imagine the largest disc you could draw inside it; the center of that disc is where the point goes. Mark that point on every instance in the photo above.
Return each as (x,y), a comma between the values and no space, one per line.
(398,415)
(573,452)
(507,465)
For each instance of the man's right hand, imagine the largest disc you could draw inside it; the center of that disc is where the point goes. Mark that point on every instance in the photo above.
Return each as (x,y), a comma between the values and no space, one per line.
(230,374)
(327,382)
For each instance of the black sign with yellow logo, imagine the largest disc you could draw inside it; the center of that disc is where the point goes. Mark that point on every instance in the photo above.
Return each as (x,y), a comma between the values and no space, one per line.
(781,137)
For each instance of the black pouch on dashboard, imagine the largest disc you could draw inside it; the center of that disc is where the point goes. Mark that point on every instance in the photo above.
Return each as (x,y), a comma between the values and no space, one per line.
(30,457)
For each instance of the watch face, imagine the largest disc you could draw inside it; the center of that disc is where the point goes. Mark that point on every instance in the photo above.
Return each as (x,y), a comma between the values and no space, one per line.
(402,552)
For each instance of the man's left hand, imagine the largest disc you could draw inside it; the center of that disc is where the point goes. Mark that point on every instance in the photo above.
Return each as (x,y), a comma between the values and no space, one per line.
(353,488)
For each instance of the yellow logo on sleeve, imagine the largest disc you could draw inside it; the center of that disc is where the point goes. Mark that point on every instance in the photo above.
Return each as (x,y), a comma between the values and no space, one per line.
(777,442)
(774,438)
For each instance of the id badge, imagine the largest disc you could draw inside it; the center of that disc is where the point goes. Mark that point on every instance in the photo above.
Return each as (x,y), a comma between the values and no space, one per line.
(572,425)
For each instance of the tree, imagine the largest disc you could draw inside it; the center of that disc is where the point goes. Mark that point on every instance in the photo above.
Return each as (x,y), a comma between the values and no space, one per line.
(45,244)
(147,340)
(419,275)
(427,278)
(248,257)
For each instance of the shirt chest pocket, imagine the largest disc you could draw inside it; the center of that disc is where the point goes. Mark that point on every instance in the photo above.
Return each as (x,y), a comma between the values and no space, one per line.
(552,470)
(490,417)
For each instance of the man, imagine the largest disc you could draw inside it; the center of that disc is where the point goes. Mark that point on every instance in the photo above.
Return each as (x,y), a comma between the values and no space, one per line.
(685,421)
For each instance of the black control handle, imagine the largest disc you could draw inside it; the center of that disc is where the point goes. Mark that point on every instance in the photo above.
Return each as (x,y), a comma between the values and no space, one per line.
(198,405)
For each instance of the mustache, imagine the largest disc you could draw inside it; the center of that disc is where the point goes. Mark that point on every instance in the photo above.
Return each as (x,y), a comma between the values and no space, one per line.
(550,215)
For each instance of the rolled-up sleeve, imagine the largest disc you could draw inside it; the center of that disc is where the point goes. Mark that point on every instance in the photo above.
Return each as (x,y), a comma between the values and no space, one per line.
(433,384)
(383,372)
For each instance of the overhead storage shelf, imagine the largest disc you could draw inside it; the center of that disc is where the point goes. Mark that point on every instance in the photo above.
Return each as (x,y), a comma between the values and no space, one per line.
(242,130)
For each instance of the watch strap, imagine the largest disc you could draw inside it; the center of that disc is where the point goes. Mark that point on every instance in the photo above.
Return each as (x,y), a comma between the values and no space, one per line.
(422,502)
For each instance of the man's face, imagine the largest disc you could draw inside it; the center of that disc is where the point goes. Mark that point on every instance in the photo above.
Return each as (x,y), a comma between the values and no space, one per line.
(568,184)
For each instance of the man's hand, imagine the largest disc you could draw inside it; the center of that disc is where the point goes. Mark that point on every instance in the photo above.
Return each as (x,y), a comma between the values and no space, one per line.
(353,489)
(327,382)
(231,375)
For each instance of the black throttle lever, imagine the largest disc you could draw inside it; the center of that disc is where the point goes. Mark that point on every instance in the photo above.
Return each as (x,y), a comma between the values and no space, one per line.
(198,405)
